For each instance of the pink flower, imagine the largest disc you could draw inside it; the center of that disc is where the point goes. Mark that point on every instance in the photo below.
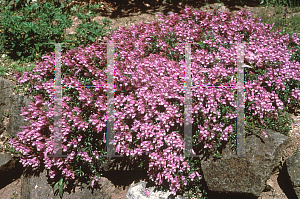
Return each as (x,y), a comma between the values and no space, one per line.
(266,136)
(92,185)
(155,79)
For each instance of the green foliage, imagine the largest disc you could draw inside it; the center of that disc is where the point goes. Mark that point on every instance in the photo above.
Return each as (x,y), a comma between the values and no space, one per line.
(296,55)
(289,3)
(9,148)
(60,186)
(198,185)
(15,195)
(88,31)
(25,31)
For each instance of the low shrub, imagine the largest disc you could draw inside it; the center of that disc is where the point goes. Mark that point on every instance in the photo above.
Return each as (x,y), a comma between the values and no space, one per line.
(26,31)
(149,71)
(290,3)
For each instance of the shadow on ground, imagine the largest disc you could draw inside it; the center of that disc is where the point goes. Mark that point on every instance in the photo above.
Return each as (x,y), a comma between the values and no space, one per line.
(124,8)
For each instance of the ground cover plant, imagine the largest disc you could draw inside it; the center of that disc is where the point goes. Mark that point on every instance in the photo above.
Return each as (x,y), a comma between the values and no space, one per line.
(158,63)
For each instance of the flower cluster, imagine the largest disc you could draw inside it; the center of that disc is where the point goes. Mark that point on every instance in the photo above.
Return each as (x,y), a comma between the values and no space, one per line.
(149,96)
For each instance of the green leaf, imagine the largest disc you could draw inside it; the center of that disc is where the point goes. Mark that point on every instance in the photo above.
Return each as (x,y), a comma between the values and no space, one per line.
(37,46)
(61,181)
(16,3)
(61,188)
(55,186)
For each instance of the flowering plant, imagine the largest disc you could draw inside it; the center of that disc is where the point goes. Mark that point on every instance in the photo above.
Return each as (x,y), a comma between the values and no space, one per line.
(149,72)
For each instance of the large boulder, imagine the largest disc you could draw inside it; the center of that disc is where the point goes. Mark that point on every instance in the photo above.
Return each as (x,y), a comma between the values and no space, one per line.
(245,176)
(293,169)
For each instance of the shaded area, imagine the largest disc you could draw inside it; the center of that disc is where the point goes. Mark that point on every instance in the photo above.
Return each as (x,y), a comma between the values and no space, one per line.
(213,195)
(124,8)
(123,171)
(8,177)
(285,183)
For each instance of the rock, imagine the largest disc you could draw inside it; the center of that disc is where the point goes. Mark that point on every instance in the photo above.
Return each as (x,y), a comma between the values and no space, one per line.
(10,168)
(11,104)
(247,175)
(7,163)
(293,169)
(5,90)
(36,184)
(138,191)
(16,121)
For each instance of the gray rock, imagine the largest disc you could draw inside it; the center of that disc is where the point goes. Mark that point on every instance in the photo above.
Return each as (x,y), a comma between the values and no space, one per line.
(7,162)
(293,169)
(5,91)
(12,104)
(16,121)
(10,168)
(245,175)
(36,184)
(138,191)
